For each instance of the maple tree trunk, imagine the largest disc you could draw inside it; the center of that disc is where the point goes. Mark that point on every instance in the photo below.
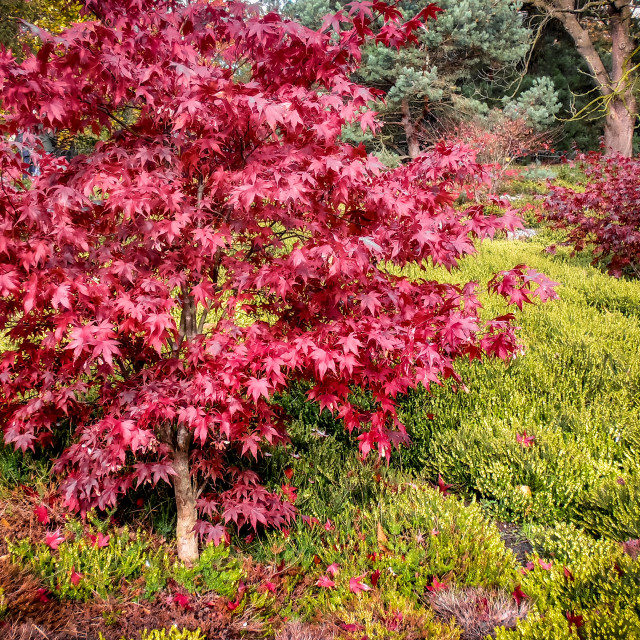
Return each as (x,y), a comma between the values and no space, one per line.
(410,131)
(186,539)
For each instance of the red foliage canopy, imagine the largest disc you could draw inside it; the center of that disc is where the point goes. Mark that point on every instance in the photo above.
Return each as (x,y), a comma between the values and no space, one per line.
(220,242)
(604,215)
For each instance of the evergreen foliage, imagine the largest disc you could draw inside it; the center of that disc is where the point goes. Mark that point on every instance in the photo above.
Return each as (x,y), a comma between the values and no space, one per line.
(471,42)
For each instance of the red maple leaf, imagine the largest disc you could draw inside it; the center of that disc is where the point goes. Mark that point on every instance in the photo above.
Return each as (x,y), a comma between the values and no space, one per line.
(182,601)
(100,541)
(325,582)
(53,539)
(519,595)
(436,586)
(524,439)
(257,388)
(42,514)
(290,492)
(43,595)
(443,487)
(76,577)
(357,586)
(575,620)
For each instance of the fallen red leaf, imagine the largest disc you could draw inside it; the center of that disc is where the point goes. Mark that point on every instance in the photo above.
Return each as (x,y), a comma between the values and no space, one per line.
(524,439)
(436,586)
(76,577)
(54,539)
(183,601)
(42,514)
(101,541)
(574,619)
(519,595)
(443,487)
(325,582)
(356,585)
(43,595)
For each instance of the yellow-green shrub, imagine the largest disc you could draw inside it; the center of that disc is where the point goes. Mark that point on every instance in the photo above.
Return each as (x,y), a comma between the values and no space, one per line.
(602,587)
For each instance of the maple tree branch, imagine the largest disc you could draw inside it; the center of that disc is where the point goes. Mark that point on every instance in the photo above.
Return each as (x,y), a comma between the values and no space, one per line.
(200,190)
(4,189)
(164,435)
(121,122)
(203,319)
(123,367)
(257,146)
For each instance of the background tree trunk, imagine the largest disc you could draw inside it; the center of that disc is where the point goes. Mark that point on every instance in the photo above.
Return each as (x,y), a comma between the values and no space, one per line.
(622,109)
(410,131)
(619,127)
(621,117)
(186,539)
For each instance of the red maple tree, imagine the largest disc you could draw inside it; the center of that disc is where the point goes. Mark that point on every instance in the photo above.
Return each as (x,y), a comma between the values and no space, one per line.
(218,243)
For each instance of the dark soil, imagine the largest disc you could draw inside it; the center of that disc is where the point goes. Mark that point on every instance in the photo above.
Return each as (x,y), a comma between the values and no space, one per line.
(512,536)
(28,617)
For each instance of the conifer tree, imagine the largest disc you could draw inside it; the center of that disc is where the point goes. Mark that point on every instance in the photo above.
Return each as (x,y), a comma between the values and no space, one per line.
(471,40)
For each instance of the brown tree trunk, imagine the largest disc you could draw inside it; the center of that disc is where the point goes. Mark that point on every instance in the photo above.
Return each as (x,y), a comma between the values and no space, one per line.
(621,116)
(621,107)
(410,131)
(186,539)
(619,127)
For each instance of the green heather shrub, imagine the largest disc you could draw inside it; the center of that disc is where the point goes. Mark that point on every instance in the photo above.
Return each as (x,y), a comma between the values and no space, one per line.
(539,172)
(411,534)
(572,175)
(397,545)
(104,570)
(214,571)
(18,468)
(600,591)
(612,509)
(393,616)
(81,570)
(525,186)
(576,389)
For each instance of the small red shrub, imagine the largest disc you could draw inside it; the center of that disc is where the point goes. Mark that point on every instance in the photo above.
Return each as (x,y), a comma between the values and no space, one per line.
(605,216)
(497,139)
